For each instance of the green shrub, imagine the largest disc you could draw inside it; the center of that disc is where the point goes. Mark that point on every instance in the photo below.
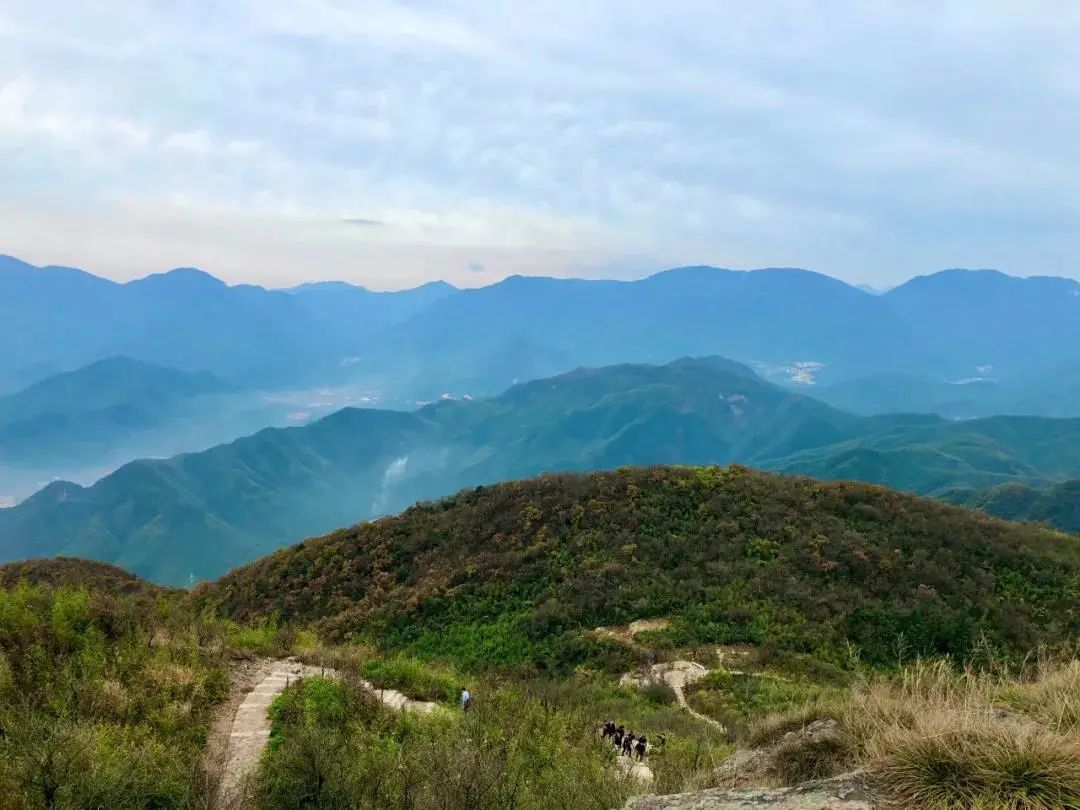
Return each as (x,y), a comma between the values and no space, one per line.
(658,692)
(414,678)
(510,751)
(105,700)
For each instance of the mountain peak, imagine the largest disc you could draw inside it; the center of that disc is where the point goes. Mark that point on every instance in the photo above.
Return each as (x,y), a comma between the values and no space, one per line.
(190,277)
(326,286)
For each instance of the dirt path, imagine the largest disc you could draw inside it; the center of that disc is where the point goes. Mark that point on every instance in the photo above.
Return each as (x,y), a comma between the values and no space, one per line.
(237,743)
(677,675)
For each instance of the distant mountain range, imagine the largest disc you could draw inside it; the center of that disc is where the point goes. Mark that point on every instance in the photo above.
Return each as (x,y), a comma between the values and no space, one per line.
(55,319)
(199,514)
(418,344)
(89,411)
(83,424)
(1053,393)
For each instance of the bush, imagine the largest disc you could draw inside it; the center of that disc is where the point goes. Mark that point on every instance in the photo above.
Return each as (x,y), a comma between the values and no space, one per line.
(510,751)
(803,759)
(414,678)
(105,700)
(658,692)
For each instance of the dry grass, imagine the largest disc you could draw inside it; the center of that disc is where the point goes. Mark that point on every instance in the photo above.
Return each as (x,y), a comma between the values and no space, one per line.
(934,737)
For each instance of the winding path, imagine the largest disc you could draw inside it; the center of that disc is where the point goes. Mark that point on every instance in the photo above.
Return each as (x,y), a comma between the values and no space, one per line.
(676,674)
(250,731)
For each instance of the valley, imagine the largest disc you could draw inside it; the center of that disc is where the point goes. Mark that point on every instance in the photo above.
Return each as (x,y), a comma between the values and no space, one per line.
(447,405)
(194,516)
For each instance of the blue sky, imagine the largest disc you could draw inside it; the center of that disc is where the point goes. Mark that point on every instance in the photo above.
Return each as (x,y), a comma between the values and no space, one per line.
(390,143)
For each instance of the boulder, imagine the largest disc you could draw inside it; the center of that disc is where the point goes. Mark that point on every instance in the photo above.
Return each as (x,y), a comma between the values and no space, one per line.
(848,792)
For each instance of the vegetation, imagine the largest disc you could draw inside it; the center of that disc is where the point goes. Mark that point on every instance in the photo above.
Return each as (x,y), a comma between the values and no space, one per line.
(76,572)
(1057,505)
(335,747)
(106,694)
(105,699)
(515,575)
(413,678)
(936,737)
(197,515)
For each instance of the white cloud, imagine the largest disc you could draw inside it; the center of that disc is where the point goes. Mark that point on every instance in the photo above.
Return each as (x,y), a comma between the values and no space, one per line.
(872,141)
(196,141)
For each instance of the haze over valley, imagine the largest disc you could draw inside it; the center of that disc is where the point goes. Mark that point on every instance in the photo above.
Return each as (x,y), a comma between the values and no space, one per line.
(451,405)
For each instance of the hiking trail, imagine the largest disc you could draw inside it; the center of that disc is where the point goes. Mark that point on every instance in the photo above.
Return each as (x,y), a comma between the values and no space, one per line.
(249,732)
(677,675)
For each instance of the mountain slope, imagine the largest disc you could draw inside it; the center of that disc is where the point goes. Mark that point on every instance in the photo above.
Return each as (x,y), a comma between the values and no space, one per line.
(514,573)
(200,513)
(987,318)
(1057,505)
(930,455)
(76,414)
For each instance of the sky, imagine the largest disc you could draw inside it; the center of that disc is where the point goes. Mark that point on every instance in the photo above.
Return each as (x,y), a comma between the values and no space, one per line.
(393,143)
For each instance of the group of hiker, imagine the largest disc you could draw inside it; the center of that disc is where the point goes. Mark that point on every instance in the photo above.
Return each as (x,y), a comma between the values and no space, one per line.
(626,744)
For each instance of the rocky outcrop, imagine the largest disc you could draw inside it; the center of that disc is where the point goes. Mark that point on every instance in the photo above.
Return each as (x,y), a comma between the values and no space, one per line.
(847,792)
(815,751)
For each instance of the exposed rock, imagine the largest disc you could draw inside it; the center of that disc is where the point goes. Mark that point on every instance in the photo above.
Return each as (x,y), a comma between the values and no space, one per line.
(848,792)
(815,747)
(677,675)
(637,772)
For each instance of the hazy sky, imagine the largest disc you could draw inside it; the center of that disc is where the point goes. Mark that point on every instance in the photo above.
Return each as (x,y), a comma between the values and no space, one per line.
(392,143)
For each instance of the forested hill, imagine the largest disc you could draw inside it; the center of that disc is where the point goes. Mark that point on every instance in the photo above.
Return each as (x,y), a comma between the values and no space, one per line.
(1057,505)
(197,515)
(518,572)
(76,572)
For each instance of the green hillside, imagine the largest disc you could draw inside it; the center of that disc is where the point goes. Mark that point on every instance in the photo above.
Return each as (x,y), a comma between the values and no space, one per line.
(1057,505)
(199,514)
(930,455)
(513,574)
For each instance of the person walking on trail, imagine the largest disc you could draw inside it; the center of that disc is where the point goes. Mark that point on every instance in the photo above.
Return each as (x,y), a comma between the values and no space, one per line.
(641,746)
(466,699)
(628,744)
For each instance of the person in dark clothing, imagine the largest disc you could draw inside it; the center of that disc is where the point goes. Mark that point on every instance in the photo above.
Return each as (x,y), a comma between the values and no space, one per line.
(617,737)
(640,746)
(628,744)
(608,730)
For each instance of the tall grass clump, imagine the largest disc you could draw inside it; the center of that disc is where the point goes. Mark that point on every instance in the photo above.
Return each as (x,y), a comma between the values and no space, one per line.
(938,737)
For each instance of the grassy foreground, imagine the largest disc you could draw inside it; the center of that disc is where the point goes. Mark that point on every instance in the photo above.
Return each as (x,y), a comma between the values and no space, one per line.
(935,737)
(107,700)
